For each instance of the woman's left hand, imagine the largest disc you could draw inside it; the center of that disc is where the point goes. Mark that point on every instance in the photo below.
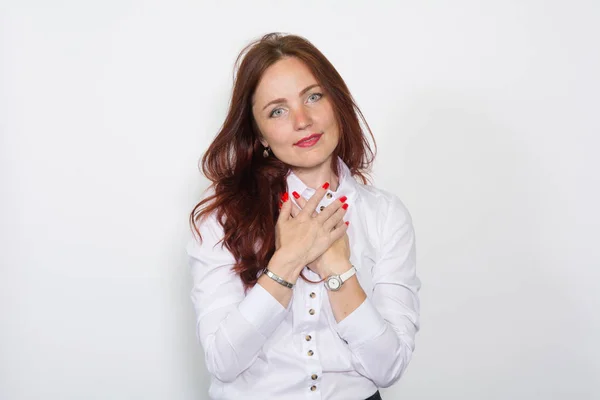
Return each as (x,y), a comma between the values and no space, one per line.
(336,259)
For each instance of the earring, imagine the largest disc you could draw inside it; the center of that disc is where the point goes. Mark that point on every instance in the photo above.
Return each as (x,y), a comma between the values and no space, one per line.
(266,152)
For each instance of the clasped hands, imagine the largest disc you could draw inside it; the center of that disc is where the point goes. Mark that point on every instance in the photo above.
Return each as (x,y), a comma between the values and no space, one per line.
(319,240)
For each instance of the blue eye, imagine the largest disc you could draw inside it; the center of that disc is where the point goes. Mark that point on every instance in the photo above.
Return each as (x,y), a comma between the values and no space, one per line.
(316,94)
(273,112)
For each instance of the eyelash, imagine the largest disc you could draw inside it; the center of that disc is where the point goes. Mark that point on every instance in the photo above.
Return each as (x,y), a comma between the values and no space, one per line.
(316,93)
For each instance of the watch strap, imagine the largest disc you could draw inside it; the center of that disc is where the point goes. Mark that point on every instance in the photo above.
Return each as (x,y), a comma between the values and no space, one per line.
(348,274)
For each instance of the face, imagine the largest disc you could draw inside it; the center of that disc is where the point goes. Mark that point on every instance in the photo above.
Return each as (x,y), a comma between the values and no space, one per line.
(289,106)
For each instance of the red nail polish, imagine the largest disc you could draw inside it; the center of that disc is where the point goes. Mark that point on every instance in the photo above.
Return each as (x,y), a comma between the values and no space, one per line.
(343,199)
(325,185)
(347,223)
(345,206)
(285,197)
(296,195)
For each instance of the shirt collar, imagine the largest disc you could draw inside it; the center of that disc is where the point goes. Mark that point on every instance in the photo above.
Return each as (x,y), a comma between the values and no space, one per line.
(346,187)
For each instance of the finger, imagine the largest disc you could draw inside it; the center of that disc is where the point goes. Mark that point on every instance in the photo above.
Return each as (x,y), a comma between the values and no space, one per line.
(311,204)
(331,210)
(337,233)
(301,201)
(336,218)
(285,208)
(339,224)
(295,209)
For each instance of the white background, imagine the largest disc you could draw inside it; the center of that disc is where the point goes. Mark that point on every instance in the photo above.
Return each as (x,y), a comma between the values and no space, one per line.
(486,120)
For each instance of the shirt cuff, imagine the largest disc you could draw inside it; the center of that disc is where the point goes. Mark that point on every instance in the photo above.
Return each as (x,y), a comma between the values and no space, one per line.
(363,324)
(262,310)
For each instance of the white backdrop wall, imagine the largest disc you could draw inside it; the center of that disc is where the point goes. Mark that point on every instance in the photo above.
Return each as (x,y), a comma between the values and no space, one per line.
(486,120)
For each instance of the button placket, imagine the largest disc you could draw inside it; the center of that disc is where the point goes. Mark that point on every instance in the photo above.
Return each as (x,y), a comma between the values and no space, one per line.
(312,303)
(311,312)
(314,368)
(325,201)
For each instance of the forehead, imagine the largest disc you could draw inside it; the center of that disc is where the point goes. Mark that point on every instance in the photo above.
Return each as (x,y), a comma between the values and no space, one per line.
(284,79)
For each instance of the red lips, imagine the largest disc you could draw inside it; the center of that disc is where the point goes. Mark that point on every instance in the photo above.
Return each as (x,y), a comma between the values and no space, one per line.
(314,135)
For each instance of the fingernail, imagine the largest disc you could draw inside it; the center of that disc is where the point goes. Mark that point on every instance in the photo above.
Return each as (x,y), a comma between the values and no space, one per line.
(343,199)
(345,206)
(347,223)
(285,197)
(325,185)
(296,195)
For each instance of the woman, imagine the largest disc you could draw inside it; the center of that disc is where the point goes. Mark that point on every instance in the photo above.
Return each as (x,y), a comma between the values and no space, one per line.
(335,312)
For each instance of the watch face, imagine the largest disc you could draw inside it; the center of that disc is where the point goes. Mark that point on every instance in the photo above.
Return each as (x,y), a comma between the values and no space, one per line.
(333,283)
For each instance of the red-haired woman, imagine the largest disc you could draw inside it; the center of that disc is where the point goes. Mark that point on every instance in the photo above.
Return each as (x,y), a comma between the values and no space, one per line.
(304,279)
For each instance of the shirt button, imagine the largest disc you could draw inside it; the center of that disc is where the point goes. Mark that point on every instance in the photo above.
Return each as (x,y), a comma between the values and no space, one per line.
(310,353)
(312,295)
(321,208)
(311,311)
(308,338)
(313,388)
(329,195)
(314,377)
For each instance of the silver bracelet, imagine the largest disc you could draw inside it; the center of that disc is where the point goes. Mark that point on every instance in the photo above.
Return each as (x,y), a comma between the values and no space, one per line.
(278,279)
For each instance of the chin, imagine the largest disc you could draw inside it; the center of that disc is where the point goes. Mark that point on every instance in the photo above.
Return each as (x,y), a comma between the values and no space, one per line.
(312,160)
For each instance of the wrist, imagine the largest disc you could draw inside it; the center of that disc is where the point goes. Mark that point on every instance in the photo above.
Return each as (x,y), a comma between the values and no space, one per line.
(337,268)
(285,267)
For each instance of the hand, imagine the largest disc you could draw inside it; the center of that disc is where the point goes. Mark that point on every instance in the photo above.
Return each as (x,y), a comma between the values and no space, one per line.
(302,234)
(336,259)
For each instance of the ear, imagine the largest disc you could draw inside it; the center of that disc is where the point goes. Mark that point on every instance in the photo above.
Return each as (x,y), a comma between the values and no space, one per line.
(263,142)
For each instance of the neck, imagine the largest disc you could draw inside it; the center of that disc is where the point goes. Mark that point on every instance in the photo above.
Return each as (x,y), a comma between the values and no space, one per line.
(316,176)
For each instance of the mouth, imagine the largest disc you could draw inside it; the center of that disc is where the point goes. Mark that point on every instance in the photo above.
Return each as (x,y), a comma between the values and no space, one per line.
(309,140)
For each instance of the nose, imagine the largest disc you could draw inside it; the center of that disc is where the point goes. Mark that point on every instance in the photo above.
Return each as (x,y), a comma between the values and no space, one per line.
(302,119)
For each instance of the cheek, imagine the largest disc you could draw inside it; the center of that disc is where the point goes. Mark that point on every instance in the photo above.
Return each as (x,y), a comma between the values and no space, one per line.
(328,116)
(331,126)
(276,133)
(269,129)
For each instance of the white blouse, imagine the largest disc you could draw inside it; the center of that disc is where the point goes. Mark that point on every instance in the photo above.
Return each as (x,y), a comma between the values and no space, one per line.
(257,349)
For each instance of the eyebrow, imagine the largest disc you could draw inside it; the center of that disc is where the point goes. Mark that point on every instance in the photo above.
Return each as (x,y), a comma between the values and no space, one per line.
(281,100)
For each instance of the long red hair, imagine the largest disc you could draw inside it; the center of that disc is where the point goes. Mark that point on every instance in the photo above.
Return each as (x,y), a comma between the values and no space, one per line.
(247,186)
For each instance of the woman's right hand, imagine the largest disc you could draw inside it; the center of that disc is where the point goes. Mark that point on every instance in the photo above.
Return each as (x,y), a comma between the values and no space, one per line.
(303,238)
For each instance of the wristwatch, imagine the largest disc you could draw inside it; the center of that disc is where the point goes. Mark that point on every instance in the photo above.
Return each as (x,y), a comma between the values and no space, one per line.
(335,282)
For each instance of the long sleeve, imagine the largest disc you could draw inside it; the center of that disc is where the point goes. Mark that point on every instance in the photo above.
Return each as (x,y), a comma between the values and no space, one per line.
(232,327)
(381,331)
